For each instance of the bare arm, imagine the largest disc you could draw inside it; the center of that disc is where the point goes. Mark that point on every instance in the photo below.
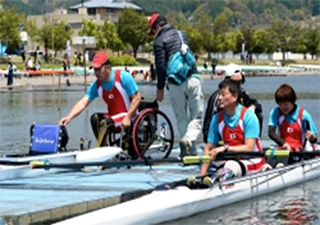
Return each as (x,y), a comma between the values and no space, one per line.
(247,147)
(204,168)
(81,105)
(135,102)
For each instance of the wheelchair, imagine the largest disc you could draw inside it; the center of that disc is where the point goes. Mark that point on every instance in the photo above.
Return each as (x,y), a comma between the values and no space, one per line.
(150,136)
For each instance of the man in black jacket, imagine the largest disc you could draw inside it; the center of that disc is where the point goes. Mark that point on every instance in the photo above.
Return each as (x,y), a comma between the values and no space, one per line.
(183,94)
(233,71)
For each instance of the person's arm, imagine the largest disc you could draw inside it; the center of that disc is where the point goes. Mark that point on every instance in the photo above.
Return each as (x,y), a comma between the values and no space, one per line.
(135,102)
(311,130)
(273,124)
(76,110)
(161,64)
(274,136)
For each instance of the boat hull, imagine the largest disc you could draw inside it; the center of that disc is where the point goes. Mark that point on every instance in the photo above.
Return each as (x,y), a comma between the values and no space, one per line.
(15,171)
(162,206)
(20,171)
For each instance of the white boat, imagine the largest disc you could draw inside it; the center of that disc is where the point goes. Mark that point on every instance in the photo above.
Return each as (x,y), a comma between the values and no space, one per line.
(18,167)
(166,205)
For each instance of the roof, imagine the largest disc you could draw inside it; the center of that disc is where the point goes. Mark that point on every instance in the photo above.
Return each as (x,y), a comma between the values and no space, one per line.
(106,4)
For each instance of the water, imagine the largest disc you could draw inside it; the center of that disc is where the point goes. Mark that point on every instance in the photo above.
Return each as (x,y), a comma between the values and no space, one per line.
(20,109)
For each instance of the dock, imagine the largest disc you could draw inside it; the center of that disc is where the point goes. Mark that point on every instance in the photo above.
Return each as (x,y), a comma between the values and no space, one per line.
(55,197)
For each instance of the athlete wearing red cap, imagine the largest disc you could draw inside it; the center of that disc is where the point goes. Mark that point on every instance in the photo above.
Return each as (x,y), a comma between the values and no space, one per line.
(184,86)
(118,90)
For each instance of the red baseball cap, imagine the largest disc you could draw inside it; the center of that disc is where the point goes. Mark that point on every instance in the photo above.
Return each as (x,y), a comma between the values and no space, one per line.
(99,59)
(151,21)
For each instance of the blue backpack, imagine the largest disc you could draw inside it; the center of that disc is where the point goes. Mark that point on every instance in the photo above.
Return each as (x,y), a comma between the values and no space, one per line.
(180,63)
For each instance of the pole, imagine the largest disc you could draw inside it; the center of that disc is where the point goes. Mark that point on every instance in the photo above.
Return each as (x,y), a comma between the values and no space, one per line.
(84,64)
(52,34)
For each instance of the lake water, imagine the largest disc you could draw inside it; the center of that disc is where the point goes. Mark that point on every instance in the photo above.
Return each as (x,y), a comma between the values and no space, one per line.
(20,109)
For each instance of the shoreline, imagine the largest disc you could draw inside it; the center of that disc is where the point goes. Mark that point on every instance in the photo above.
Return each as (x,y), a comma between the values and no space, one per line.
(78,80)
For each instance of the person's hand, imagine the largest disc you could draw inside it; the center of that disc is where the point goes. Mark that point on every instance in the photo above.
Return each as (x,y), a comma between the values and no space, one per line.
(252,107)
(126,122)
(160,95)
(214,152)
(64,121)
(286,146)
(310,136)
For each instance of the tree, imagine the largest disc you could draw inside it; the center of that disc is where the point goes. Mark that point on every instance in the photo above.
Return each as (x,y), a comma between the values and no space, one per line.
(110,33)
(309,41)
(285,35)
(133,29)
(259,44)
(9,24)
(32,29)
(205,26)
(61,35)
(247,32)
(90,28)
(53,34)
(221,24)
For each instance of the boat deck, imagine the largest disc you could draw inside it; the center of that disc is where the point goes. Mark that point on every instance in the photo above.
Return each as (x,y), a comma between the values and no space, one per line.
(54,197)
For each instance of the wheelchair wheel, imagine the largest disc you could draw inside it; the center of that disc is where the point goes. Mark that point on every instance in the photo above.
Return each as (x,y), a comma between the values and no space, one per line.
(152,134)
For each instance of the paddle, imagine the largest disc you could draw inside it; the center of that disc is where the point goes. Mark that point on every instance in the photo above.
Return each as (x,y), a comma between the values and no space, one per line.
(186,160)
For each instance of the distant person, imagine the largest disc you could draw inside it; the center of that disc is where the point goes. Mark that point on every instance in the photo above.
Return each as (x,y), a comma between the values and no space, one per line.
(153,72)
(38,65)
(10,74)
(23,56)
(75,59)
(65,66)
(213,65)
(205,66)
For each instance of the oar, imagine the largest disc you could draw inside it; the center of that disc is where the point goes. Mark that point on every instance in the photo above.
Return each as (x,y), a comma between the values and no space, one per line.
(44,164)
(237,155)
(186,160)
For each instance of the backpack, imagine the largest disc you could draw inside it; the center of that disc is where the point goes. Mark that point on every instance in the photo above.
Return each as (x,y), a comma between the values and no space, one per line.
(47,139)
(180,63)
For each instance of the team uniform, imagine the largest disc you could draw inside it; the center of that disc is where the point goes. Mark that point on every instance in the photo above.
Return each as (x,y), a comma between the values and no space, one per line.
(233,131)
(292,126)
(115,93)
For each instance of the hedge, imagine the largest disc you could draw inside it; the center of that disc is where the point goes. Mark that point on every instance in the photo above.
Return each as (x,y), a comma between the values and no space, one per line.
(123,61)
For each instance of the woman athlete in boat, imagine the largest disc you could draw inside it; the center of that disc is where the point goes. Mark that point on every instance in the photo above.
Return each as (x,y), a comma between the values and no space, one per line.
(238,127)
(294,123)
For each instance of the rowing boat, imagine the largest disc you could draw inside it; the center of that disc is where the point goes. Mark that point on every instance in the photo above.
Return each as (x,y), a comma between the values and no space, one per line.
(165,205)
(18,167)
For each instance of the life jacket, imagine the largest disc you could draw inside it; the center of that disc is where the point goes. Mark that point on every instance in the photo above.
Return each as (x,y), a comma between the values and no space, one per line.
(235,137)
(117,99)
(291,133)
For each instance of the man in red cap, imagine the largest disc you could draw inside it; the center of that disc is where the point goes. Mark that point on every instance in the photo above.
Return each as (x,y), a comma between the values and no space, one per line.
(118,90)
(172,52)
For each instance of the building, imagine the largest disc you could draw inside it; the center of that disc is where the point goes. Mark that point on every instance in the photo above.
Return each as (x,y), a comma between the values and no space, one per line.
(97,10)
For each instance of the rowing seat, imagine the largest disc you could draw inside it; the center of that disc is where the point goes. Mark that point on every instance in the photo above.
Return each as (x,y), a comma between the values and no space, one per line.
(47,139)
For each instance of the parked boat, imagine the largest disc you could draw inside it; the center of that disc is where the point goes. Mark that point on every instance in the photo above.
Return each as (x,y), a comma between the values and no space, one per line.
(165,205)
(18,167)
